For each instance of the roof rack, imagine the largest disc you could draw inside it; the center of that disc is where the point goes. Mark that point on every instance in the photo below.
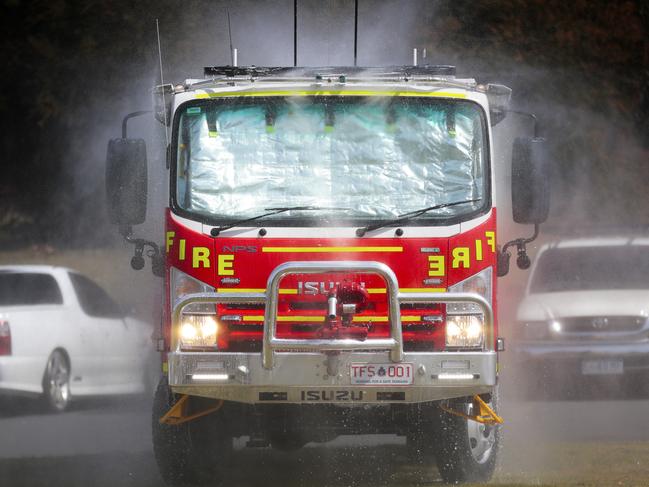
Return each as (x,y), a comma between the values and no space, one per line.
(310,72)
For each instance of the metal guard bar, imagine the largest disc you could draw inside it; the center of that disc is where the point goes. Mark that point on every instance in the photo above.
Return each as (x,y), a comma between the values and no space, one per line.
(394,344)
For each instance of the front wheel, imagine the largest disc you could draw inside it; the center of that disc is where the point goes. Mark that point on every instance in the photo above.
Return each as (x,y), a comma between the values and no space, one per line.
(466,450)
(56,382)
(192,453)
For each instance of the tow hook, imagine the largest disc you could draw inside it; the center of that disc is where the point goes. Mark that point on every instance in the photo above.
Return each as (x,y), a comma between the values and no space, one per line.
(485,415)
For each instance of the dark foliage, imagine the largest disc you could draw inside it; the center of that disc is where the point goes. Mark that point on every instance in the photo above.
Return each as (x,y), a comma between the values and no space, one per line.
(69,65)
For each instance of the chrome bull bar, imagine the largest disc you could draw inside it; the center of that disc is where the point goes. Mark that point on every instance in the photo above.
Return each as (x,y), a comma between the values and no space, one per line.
(393,344)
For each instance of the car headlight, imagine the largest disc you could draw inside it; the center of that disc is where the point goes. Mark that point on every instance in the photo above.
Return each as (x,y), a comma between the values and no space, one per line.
(465,321)
(198,331)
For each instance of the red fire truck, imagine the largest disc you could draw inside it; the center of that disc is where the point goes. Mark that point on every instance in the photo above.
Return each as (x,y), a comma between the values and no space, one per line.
(330,259)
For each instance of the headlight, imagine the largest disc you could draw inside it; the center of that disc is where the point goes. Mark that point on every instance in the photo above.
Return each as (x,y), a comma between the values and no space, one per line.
(198,331)
(198,327)
(464,331)
(465,321)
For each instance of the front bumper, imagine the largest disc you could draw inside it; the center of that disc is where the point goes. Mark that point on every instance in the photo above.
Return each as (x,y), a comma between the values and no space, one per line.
(568,356)
(316,377)
(302,371)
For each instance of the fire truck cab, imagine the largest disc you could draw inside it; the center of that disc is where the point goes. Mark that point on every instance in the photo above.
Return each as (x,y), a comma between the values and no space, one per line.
(330,259)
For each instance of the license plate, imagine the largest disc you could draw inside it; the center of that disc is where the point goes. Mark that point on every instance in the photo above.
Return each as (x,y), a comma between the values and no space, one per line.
(381,374)
(602,367)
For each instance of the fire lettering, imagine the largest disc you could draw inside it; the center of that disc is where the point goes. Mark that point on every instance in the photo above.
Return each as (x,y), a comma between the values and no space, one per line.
(200,257)
(491,240)
(436,266)
(478,250)
(170,240)
(225,265)
(461,257)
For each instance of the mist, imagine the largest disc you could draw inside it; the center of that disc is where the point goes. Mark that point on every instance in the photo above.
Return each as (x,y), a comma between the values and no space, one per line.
(88,66)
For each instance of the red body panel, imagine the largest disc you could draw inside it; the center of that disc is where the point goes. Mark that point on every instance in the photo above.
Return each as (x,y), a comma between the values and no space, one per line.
(244,264)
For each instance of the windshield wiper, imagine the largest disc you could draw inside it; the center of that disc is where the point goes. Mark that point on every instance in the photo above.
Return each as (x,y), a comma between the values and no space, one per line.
(271,211)
(360,232)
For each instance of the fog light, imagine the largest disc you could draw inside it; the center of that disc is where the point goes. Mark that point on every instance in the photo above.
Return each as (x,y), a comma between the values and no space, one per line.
(198,331)
(210,377)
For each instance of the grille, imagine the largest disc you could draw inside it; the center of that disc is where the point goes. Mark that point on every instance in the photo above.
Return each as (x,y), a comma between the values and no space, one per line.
(603,324)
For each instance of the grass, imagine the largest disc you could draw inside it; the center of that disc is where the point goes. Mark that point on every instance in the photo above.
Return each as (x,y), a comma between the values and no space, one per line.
(583,464)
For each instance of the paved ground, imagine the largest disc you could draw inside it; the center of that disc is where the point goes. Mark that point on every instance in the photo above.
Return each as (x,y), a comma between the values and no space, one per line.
(99,444)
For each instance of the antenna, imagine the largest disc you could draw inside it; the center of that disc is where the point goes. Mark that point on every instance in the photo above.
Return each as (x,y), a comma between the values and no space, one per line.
(294,33)
(162,80)
(232,63)
(355,31)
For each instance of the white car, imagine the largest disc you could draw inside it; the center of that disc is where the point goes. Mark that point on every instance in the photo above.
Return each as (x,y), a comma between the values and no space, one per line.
(585,314)
(61,335)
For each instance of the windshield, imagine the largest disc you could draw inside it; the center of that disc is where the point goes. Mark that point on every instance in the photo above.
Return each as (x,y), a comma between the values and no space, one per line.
(378,157)
(592,268)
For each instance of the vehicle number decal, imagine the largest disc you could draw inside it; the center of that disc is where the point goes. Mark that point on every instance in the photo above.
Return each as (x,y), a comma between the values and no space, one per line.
(381,374)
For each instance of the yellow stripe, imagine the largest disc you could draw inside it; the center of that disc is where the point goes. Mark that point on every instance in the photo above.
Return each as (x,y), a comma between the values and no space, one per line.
(330,249)
(253,318)
(319,319)
(308,319)
(422,289)
(252,290)
(442,94)
(376,290)
(365,319)
(407,319)
(240,290)
(288,291)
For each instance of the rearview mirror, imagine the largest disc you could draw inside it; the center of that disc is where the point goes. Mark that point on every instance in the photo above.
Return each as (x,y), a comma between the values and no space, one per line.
(126,181)
(530,181)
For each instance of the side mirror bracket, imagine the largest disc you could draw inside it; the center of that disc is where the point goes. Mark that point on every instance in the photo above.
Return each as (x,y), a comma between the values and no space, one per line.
(154,253)
(522,260)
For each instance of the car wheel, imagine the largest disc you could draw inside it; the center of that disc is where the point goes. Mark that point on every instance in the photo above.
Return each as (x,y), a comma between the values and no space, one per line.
(56,382)
(192,453)
(466,450)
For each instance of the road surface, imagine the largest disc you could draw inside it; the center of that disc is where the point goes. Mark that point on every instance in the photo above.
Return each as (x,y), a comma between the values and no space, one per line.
(110,444)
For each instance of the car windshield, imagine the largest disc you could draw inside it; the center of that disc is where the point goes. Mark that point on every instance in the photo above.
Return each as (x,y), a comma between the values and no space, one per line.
(376,156)
(592,268)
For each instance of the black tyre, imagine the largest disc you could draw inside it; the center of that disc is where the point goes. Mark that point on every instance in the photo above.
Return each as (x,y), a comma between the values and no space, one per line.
(466,451)
(56,382)
(192,453)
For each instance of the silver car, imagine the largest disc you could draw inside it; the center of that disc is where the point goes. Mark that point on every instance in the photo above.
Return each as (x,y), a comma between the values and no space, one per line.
(584,319)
